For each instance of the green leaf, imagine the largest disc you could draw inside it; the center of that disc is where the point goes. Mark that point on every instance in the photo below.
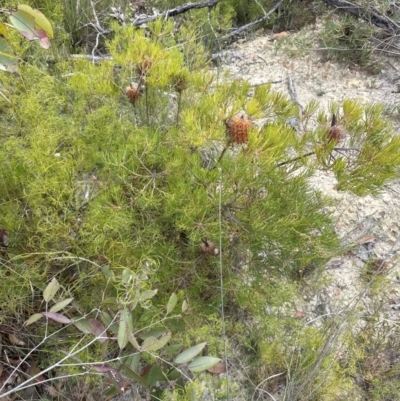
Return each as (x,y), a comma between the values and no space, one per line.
(148,294)
(61,305)
(40,20)
(106,318)
(153,344)
(174,375)
(83,325)
(171,349)
(111,392)
(185,306)
(109,301)
(51,290)
(123,331)
(203,363)
(34,318)
(133,341)
(132,361)
(107,272)
(154,332)
(190,353)
(3,30)
(126,276)
(173,300)
(156,375)
(32,24)
(133,375)
(8,62)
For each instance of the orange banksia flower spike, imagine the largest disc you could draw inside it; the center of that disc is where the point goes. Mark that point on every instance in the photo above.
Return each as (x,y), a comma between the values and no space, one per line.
(238,129)
(133,93)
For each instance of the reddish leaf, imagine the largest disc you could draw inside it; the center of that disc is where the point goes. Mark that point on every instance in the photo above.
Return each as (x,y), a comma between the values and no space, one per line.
(117,379)
(103,368)
(98,329)
(145,370)
(299,314)
(32,24)
(15,340)
(220,367)
(57,317)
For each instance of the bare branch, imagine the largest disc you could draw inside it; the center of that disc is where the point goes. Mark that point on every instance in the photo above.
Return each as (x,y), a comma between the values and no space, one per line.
(372,17)
(143,19)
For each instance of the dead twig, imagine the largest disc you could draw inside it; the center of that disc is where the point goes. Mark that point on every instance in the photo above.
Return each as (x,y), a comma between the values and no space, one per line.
(144,19)
(368,15)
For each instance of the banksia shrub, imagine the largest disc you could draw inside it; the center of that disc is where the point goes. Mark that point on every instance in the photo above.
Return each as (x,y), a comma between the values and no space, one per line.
(133,93)
(238,129)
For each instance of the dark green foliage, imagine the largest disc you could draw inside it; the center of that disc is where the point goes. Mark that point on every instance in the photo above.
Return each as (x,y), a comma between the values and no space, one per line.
(347,40)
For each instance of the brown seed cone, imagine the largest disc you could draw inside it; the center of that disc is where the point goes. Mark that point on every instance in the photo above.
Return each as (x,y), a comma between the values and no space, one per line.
(3,238)
(180,83)
(133,93)
(335,133)
(145,66)
(238,129)
(208,247)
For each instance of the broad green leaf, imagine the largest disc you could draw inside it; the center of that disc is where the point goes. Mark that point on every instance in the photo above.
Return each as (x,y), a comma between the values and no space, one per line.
(153,344)
(133,375)
(190,353)
(3,30)
(133,341)
(173,299)
(174,375)
(203,363)
(106,318)
(123,331)
(107,271)
(109,301)
(8,62)
(155,332)
(126,276)
(171,350)
(83,325)
(185,306)
(51,290)
(40,20)
(111,392)
(32,24)
(148,294)
(156,375)
(61,305)
(34,318)
(132,361)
